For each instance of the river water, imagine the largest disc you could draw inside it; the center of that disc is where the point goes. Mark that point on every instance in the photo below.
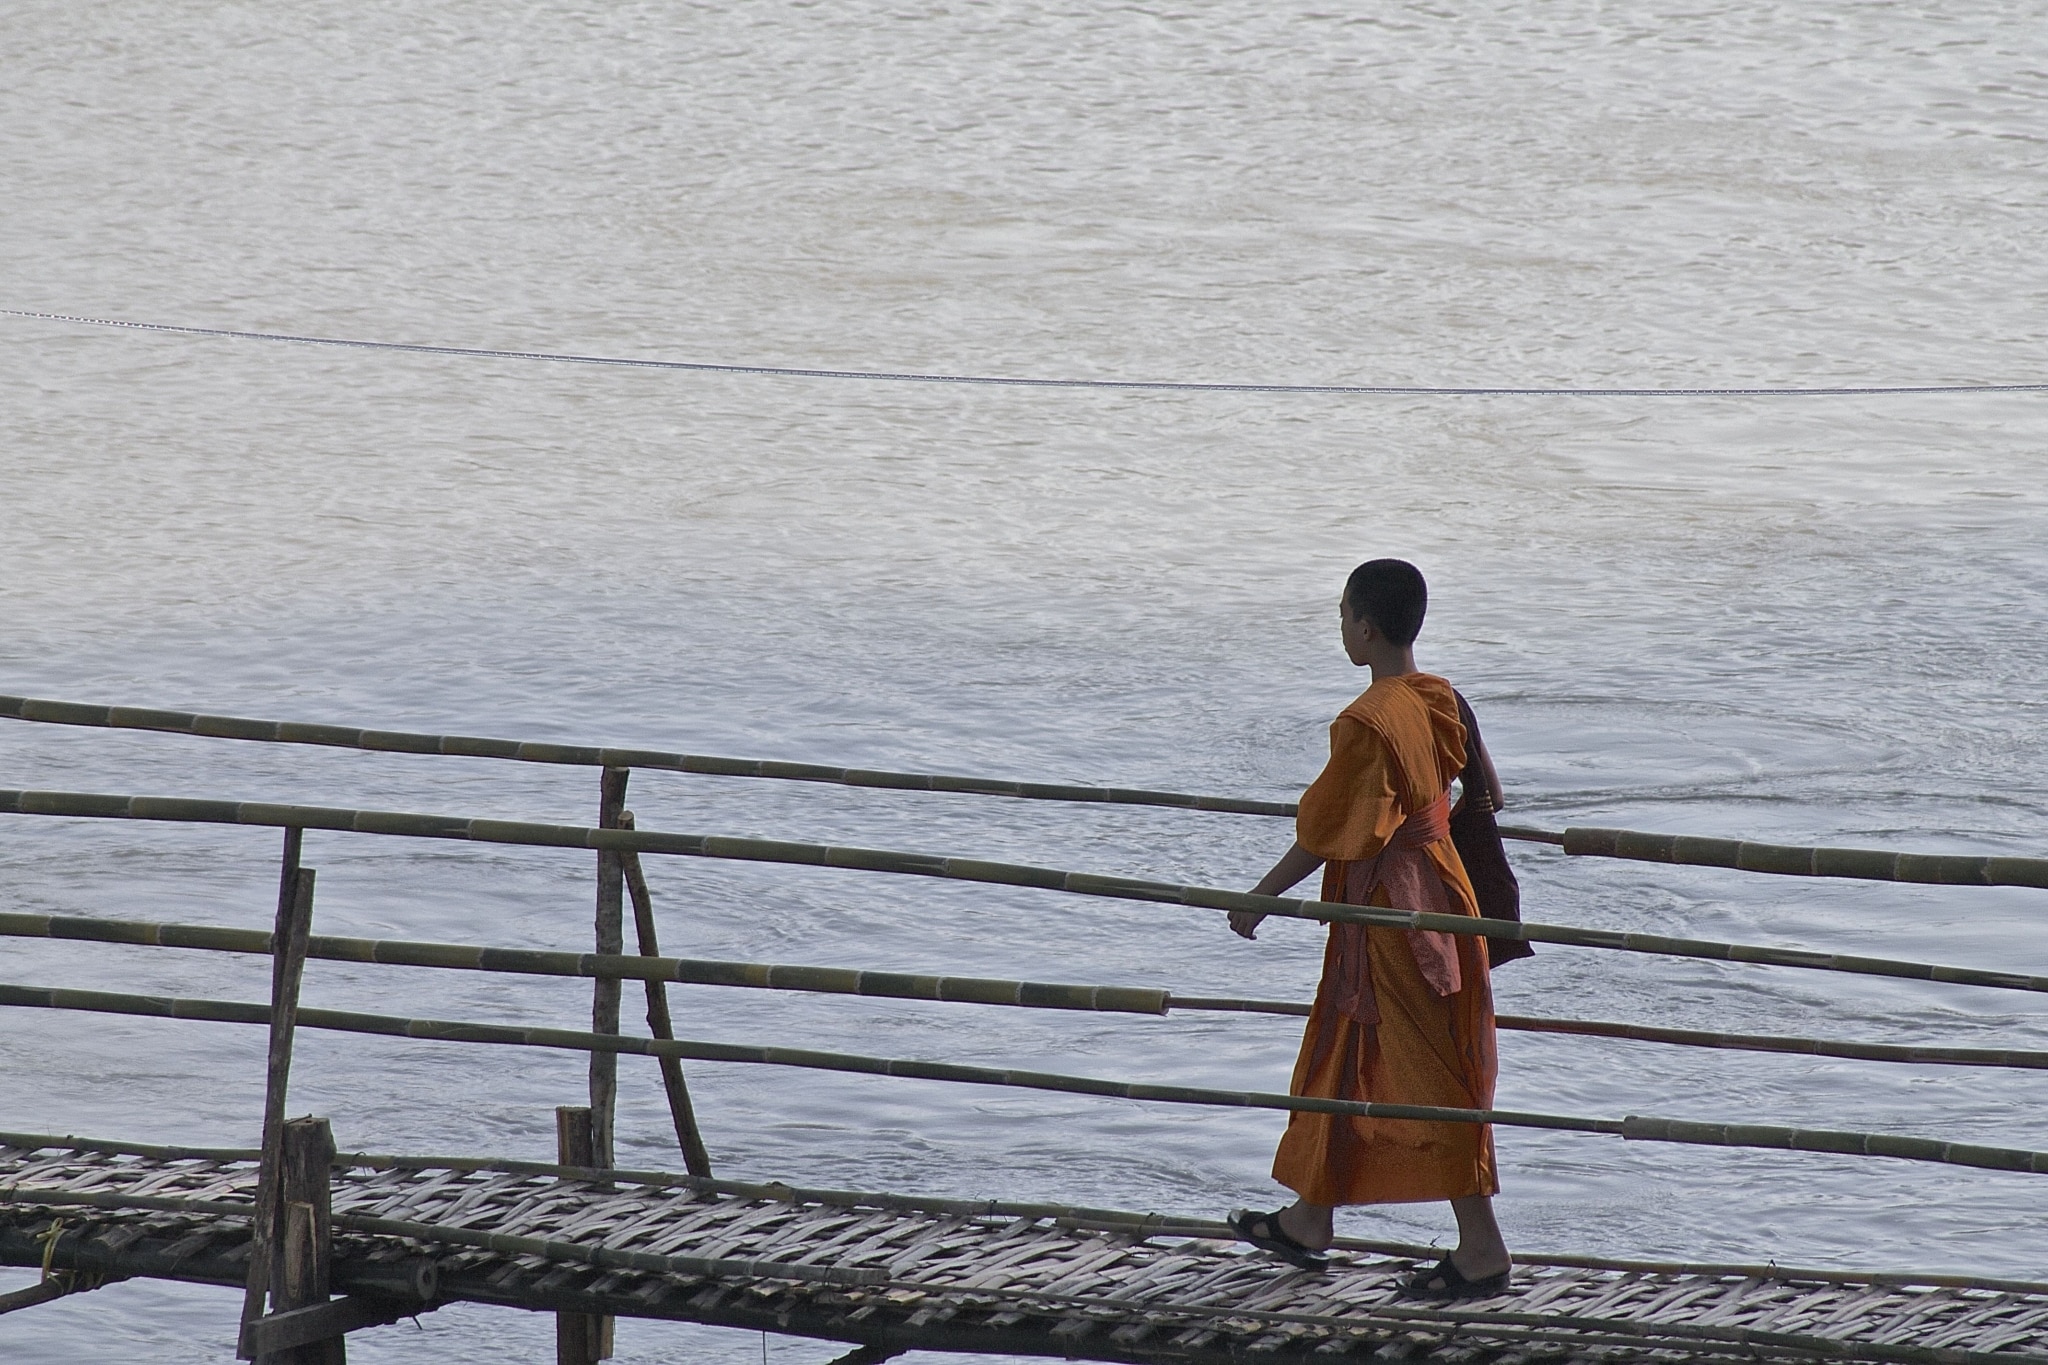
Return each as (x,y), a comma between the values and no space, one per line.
(1807,619)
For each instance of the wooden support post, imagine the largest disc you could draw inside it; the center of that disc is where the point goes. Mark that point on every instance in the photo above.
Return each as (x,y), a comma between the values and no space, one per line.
(287,966)
(604,998)
(696,1159)
(580,1338)
(305,1260)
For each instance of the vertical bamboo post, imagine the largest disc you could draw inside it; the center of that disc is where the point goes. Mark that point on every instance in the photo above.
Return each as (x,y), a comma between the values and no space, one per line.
(604,997)
(306,1247)
(287,965)
(580,1338)
(696,1159)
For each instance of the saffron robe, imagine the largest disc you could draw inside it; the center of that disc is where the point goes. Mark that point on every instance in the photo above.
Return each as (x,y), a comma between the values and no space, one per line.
(1401,1016)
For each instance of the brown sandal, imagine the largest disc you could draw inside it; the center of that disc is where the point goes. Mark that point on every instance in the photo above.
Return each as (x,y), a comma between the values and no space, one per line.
(1263,1231)
(1423,1284)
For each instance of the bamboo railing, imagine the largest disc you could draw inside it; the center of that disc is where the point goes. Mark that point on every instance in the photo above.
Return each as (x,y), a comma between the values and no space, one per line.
(519,833)
(1633,1128)
(1743,855)
(618,846)
(627,966)
(585,756)
(1148,1000)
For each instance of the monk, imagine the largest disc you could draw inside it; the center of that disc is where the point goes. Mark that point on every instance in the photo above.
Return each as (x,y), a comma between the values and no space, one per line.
(1400,1017)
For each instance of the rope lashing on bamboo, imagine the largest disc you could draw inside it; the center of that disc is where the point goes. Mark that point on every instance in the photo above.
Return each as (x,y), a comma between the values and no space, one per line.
(611,1258)
(1126,1220)
(1781,859)
(1633,1128)
(1020,381)
(525,834)
(1149,1000)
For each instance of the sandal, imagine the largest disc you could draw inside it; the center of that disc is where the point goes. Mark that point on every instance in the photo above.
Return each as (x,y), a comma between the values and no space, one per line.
(1263,1231)
(1424,1284)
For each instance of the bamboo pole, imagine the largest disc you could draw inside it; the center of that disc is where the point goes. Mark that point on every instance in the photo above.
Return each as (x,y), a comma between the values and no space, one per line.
(681,1112)
(288,961)
(905,986)
(530,834)
(469,746)
(580,1338)
(1742,855)
(2014,1058)
(1633,1127)
(611,941)
(45,1291)
(631,966)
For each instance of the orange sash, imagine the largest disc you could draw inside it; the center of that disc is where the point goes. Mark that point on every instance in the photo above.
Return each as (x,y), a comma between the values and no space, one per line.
(1412,883)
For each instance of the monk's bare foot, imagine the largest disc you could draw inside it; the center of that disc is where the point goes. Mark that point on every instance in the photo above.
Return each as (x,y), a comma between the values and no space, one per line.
(1482,1252)
(1309,1224)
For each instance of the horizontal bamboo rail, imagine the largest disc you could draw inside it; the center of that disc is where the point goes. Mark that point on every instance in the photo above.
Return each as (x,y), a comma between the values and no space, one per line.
(1792,860)
(526,751)
(2015,1058)
(627,966)
(2011,1058)
(1633,1128)
(1782,859)
(526,834)
(913,986)
(1124,1220)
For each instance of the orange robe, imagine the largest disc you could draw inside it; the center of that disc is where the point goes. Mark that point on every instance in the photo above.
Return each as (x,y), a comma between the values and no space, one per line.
(1393,752)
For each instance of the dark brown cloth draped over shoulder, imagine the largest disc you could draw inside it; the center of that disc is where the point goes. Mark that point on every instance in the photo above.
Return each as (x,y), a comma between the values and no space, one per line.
(1401,1016)
(1477,834)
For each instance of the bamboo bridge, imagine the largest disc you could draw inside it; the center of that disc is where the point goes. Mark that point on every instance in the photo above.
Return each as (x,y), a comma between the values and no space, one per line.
(293,1223)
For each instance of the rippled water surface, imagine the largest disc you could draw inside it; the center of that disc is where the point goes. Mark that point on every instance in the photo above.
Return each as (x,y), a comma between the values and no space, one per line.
(1813,619)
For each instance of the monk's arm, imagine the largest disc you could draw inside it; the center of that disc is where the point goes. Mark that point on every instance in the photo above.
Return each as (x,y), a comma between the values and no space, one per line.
(1496,799)
(1296,863)
(1485,795)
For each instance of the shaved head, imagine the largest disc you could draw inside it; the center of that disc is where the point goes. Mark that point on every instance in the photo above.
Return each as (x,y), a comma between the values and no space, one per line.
(1391,594)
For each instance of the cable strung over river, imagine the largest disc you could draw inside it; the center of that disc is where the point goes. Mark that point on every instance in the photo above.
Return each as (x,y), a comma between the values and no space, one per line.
(1028,382)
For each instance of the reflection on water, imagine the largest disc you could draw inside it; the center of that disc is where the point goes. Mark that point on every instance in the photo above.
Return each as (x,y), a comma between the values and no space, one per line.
(1794,620)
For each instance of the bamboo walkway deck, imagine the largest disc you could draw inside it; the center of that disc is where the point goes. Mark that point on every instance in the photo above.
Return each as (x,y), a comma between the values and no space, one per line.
(892,1274)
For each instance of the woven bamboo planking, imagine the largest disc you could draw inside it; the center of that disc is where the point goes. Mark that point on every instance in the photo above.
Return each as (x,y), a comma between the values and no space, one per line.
(108,806)
(915,986)
(971,1277)
(1946,869)
(1075,1214)
(1633,1128)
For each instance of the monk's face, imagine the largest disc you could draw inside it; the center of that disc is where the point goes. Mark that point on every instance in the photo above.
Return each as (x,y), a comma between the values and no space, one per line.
(1357,631)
